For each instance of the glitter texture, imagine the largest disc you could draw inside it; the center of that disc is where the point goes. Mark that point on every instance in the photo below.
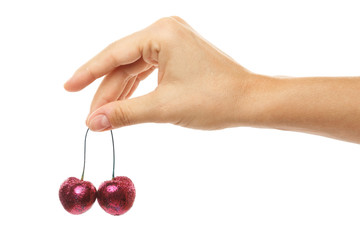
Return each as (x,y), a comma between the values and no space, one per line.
(116,196)
(77,196)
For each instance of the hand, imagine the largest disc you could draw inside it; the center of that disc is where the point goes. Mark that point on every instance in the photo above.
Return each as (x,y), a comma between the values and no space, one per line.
(198,85)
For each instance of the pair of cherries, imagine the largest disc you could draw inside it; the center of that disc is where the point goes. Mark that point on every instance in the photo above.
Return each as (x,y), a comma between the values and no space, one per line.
(115,196)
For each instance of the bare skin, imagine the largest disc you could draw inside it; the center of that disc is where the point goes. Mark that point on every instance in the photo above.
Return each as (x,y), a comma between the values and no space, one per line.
(201,87)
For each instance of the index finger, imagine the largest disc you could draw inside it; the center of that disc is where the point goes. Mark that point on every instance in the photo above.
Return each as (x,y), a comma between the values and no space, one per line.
(124,51)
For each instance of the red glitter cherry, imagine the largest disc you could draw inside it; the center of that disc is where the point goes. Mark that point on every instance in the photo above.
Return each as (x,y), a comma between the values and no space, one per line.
(116,196)
(77,196)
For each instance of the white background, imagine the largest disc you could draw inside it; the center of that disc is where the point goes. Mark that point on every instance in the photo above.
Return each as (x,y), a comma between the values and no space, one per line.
(238,183)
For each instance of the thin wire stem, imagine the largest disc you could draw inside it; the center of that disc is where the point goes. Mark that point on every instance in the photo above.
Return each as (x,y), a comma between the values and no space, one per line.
(82,176)
(113,146)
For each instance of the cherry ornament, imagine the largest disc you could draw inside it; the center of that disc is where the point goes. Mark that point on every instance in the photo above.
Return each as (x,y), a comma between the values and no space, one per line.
(77,196)
(116,196)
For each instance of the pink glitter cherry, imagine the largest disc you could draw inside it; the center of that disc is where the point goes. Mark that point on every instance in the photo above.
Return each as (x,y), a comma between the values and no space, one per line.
(77,196)
(116,196)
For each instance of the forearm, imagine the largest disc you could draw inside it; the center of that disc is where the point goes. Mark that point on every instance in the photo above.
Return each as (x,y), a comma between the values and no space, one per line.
(327,106)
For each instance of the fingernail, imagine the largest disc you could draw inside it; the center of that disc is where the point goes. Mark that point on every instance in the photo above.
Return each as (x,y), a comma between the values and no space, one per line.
(99,123)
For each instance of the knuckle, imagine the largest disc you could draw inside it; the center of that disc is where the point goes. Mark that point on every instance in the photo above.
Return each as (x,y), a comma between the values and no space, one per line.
(112,60)
(121,116)
(91,73)
(110,57)
(166,21)
(151,52)
(167,28)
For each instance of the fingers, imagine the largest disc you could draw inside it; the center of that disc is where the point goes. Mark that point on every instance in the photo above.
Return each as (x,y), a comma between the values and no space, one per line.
(124,51)
(123,113)
(145,44)
(118,113)
(125,63)
(114,84)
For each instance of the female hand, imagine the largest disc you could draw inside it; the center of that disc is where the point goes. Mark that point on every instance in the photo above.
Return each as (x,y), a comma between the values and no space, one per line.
(198,85)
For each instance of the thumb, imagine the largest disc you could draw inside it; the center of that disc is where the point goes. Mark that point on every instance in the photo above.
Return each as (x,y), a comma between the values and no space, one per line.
(125,112)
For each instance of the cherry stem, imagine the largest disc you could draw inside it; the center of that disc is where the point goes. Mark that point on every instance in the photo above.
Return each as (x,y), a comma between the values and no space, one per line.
(113,146)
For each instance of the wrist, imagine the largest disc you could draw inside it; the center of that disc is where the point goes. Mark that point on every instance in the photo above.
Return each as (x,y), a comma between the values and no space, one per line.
(257,100)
